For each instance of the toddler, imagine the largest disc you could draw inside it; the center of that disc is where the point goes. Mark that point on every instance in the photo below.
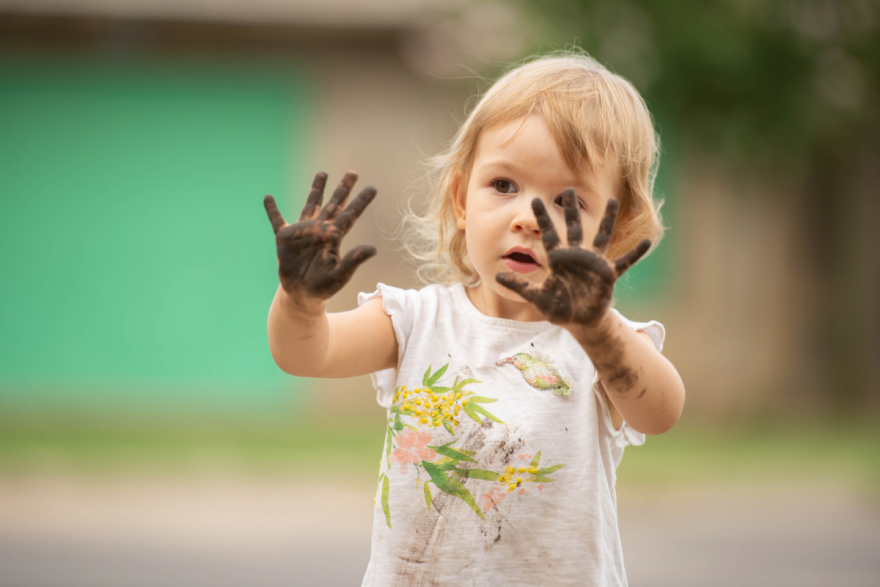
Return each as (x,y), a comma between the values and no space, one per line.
(511,385)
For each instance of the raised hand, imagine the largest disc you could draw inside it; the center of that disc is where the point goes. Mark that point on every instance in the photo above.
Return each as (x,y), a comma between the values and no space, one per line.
(309,263)
(581,281)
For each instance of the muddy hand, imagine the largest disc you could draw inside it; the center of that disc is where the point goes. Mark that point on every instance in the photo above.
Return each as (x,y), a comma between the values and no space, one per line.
(579,287)
(308,251)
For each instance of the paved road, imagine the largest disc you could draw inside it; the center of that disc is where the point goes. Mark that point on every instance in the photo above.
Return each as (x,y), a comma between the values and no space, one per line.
(221,531)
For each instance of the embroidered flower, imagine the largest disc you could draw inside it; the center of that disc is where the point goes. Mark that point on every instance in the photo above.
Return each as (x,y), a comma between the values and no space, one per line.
(412,448)
(538,372)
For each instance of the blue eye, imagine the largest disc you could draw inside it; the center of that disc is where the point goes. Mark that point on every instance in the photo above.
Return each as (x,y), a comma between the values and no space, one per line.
(503,186)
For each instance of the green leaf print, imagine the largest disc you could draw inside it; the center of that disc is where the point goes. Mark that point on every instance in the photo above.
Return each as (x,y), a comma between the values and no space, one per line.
(452,453)
(451,486)
(459,385)
(544,480)
(478,399)
(385,501)
(472,414)
(446,464)
(536,460)
(448,426)
(477,474)
(549,470)
(436,376)
(398,424)
(477,408)
(427,495)
(389,434)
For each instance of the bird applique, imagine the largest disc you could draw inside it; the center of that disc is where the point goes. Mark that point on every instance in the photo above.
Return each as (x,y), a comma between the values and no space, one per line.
(538,372)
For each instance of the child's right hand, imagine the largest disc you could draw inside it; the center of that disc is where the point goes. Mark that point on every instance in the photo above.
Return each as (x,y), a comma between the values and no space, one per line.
(309,264)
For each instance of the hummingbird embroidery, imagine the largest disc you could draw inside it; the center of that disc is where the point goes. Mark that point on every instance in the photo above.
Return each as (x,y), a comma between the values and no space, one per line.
(538,372)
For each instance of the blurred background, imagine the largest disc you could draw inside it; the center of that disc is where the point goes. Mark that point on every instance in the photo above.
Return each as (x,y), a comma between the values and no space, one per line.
(146,435)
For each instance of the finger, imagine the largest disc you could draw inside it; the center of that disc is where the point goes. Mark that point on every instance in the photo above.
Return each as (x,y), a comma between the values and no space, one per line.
(354,210)
(548,231)
(337,200)
(572,218)
(509,280)
(579,261)
(352,260)
(630,258)
(313,203)
(606,229)
(275,216)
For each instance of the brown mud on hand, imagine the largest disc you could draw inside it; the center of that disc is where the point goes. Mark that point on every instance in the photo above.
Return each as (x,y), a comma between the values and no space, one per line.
(309,261)
(581,281)
(579,288)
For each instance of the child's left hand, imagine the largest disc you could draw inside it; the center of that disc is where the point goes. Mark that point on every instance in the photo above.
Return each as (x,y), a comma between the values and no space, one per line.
(578,290)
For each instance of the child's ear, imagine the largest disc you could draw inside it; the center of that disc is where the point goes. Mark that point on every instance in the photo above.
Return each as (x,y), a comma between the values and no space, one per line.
(458,201)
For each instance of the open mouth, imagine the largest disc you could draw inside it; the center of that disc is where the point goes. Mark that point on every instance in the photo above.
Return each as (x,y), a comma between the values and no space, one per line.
(521,262)
(521,258)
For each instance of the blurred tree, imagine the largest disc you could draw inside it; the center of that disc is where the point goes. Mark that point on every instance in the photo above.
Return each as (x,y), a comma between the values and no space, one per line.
(777,89)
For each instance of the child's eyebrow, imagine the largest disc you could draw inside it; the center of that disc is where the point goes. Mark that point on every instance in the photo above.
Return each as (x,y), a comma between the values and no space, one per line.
(572,180)
(502,165)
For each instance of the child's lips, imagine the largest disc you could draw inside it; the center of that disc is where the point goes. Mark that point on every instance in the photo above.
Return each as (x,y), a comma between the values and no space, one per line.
(521,260)
(520,267)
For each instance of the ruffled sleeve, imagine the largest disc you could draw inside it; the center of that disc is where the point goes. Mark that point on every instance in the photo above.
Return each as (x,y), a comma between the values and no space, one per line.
(626,436)
(395,302)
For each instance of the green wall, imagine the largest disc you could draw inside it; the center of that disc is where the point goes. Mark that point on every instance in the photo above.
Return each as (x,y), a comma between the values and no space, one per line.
(137,262)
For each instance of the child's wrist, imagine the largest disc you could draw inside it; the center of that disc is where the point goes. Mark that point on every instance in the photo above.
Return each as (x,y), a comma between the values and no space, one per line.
(595,334)
(302,304)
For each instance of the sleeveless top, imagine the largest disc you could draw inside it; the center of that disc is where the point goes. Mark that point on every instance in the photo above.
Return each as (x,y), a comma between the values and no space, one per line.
(500,455)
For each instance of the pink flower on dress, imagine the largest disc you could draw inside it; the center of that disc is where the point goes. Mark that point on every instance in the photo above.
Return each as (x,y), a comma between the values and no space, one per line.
(412,448)
(525,456)
(521,490)
(493,498)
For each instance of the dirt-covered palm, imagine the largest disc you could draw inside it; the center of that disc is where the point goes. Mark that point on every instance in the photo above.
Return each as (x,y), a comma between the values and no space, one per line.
(309,262)
(581,281)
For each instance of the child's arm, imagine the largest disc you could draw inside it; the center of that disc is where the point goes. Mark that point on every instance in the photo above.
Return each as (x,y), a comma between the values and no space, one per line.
(303,338)
(641,383)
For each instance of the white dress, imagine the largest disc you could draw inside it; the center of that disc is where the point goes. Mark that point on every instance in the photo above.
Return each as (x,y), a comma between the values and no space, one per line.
(500,455)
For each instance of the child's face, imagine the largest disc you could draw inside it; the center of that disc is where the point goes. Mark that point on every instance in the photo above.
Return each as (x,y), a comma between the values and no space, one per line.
(500,228)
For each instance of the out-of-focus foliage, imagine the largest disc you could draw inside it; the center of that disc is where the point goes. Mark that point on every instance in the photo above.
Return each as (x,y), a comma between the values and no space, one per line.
(774,93)
(763,80)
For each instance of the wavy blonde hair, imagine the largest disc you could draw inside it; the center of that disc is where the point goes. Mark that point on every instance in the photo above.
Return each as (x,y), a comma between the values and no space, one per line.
(595,116)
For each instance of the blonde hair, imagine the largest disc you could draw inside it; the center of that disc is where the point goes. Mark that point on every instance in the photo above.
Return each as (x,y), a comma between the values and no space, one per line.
(595,117)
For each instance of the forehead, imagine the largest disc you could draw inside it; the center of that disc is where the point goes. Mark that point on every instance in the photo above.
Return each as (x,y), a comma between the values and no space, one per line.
(528,145)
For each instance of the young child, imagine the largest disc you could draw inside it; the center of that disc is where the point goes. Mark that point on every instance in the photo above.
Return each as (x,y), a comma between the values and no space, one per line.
(512,386)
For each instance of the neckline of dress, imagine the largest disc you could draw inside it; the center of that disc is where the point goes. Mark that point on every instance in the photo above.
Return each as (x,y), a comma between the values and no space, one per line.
(458,291)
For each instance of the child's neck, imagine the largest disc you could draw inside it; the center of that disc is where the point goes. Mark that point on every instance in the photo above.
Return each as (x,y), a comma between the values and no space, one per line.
(492,304)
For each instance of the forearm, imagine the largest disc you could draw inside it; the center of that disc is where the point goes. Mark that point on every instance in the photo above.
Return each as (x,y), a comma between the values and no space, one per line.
(641,383)
(299,334)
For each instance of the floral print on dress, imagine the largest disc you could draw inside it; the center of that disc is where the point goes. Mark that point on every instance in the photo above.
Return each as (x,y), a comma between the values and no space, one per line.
(418,415)
(538,372)
(517,478)
(412,447)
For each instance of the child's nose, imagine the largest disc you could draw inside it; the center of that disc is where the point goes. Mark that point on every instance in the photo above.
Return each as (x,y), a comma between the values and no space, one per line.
(525,220)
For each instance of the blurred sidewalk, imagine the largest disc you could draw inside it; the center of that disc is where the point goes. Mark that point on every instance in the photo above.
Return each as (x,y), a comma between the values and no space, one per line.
(235,530)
